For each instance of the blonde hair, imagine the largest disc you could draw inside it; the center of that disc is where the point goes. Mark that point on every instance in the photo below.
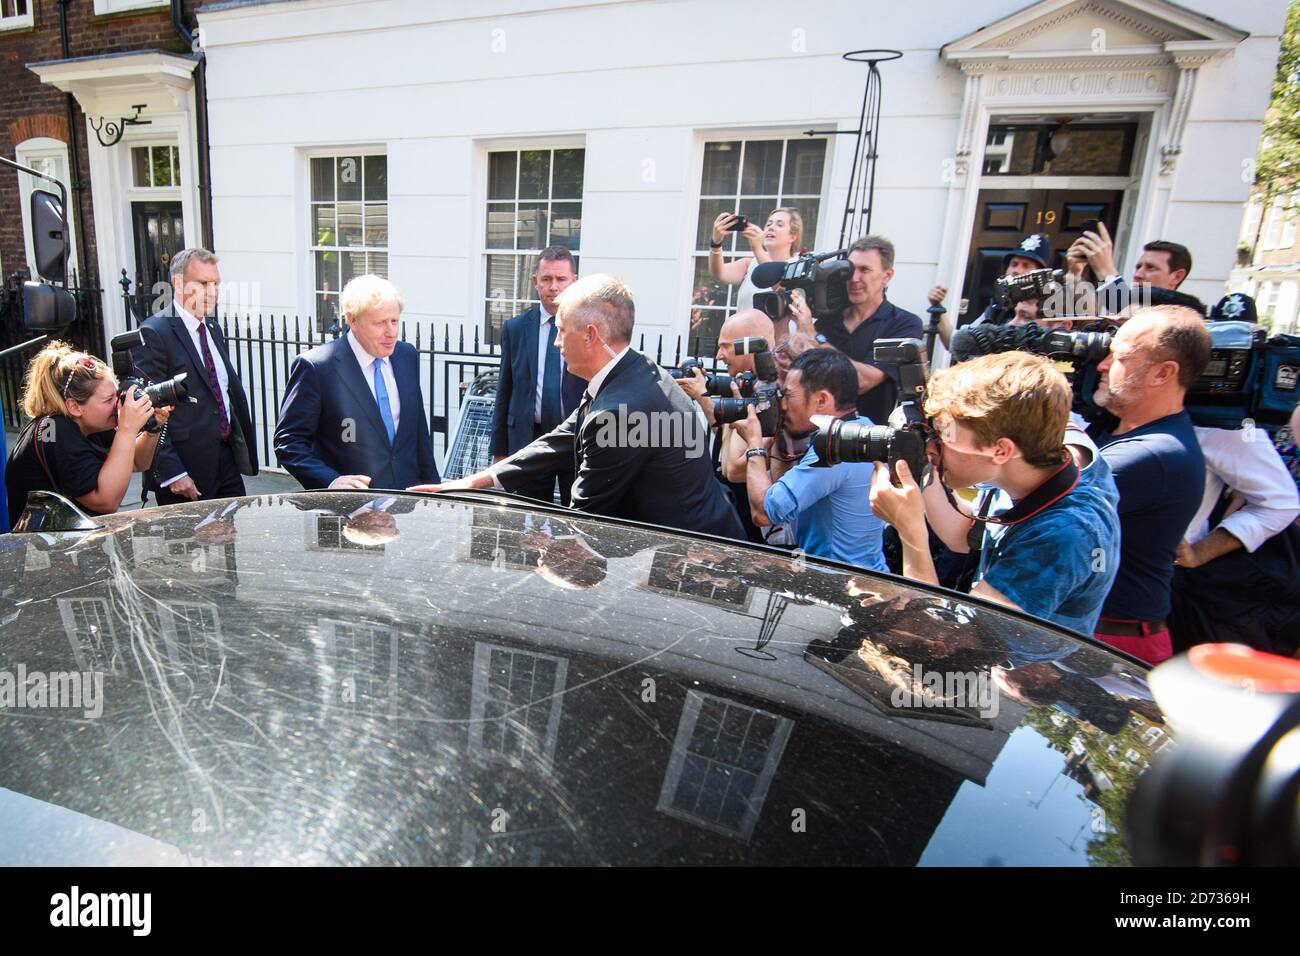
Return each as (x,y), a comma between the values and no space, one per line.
(368,292)
(59,374)
(1011,395)
(796,226)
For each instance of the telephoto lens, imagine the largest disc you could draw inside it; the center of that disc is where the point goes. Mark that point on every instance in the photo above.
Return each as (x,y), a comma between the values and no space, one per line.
(839,441)
(171,392)
(767,406)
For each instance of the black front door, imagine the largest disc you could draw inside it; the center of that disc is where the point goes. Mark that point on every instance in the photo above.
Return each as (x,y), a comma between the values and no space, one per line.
(1005,216)
(159,235)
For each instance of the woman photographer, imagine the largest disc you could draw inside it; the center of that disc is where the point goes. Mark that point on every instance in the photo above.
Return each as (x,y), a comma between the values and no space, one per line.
(83,442)
(779,240)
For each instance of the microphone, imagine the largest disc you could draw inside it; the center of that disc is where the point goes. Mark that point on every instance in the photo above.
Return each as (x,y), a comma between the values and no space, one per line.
(767,274)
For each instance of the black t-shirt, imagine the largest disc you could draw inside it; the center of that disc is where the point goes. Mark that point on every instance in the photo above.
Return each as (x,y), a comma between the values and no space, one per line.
(74,461)
(1160,473)
(888,322)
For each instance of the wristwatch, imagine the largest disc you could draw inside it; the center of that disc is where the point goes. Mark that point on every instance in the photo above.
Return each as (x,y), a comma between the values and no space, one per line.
(715,245)
(822,340)
(754,452)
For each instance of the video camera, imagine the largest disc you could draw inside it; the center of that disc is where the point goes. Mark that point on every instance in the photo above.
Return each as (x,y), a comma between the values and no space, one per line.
(908,431)
(716,383)
(1083,350)
(765,394)
(1249,376)
(1009,291)
(824,279)
(160,394)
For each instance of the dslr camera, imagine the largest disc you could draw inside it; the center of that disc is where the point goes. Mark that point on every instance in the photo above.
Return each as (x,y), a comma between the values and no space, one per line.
(160,394)
(823,278)
(765,393)
(716,383)
(908,432)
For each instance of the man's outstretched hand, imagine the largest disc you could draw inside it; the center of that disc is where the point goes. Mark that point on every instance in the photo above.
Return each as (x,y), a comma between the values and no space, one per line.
(480,480)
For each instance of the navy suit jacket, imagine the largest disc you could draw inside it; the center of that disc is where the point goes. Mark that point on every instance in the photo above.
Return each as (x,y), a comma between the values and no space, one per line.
(619,474)
(512,415)
(191,442)
(329,421)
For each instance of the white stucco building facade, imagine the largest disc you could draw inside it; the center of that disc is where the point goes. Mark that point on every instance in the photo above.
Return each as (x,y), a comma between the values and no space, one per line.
(444,145)
(639,90)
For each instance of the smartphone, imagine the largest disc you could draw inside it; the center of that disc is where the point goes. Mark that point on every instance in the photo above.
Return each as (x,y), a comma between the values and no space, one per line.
(1093,226)
(740,225)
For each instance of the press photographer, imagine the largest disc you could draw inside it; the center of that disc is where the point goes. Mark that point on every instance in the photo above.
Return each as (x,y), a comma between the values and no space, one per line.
(828,507)
(86,435)
(852,325)
(746,325)
(1032,253)
(1046,530)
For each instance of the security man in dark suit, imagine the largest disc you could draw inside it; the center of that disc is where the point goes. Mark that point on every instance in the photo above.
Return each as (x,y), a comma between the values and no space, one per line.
(353,415)
(209,441)
(535,392)
(637,444)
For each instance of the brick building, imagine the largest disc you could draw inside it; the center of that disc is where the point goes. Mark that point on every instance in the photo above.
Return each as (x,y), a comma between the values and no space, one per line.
(67,67)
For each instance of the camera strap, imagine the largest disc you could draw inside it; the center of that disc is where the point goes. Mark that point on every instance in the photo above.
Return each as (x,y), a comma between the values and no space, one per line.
(1059,484)
(40,453)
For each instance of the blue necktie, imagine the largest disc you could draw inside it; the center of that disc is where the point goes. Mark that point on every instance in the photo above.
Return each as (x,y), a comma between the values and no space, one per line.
(381,396)
(551,412)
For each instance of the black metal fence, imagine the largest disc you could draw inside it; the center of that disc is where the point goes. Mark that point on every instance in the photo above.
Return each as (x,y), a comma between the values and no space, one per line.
(263,347)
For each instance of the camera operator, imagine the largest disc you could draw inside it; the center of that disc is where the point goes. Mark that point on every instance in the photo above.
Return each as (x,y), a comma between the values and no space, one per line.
(84,439)
(752,323)
(778,241)
(1049,535)
(1158,465)
(868,317)
(1162,265)
(828,506)
(1032,253)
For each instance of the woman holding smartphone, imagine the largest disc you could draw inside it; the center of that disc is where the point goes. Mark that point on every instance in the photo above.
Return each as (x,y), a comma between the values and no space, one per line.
(779,240)
(82,442)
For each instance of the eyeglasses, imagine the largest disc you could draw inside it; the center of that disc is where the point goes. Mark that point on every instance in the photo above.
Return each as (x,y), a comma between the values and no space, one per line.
(86,362)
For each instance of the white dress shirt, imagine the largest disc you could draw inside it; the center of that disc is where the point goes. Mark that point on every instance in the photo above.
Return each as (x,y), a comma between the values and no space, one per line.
(367,363)
(597,380)
(543,334)
(1245,460)
(223,377)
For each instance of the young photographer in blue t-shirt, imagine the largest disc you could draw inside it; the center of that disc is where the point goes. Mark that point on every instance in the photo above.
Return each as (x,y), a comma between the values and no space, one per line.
(1050,536)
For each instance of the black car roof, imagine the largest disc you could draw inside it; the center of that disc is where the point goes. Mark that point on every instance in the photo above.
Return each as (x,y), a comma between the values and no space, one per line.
(369,678)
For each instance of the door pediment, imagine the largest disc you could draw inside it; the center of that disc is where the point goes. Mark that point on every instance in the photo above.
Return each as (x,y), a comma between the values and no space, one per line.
(1081,34)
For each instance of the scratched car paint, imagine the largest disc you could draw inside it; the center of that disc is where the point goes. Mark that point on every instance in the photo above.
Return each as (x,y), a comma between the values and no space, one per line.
(352,678)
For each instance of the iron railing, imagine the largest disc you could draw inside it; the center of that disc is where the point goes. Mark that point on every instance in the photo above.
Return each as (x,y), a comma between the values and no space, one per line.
(263,347)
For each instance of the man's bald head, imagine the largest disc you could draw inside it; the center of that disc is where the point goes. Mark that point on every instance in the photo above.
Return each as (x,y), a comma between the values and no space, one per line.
(1172,333)
(750,323)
